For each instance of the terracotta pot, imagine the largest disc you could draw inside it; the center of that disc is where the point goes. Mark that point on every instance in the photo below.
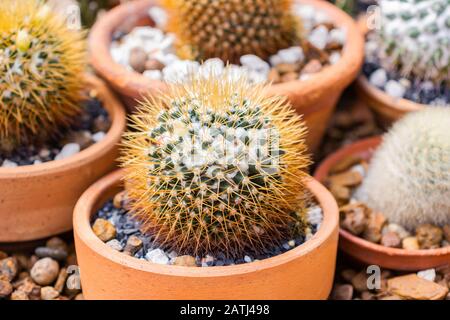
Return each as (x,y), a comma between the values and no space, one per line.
(305,272)
(386,108)
(368,252)
(315,98)
(37,201)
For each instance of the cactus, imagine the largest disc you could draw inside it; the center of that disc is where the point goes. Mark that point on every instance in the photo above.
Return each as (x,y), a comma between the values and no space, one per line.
(229,29)
(41,64)
(409,175)
(220,169)
(413,39)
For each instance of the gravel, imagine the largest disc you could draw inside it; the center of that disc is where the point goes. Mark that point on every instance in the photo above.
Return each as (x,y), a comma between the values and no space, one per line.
(126,227)
(89,128)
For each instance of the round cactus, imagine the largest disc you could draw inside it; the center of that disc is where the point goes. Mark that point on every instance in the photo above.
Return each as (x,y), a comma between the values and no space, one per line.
(414,38)
(229,29)
(41,61)
(409,175)
(220,169)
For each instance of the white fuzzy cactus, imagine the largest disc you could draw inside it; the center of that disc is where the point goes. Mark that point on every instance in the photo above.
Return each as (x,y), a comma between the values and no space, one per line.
(409,175)
(414,38)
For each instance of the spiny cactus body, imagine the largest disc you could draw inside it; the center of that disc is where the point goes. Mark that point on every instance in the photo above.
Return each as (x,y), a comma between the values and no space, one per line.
(409,175)
(221,169)
(229,29)
(41,62)
(414,38)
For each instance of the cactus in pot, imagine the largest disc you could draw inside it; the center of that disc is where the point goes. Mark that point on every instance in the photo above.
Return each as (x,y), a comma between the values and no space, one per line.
(409,175)
(41,63)
(214,166)
(413,38)
(229,29)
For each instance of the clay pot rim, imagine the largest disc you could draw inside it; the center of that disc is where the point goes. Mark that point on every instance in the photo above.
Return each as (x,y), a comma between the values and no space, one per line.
(320,174)
(118,121)
(86,205)
(350,61)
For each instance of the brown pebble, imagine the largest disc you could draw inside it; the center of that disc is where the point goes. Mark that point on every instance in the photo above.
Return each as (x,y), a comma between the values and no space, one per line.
(187,261)
(346,163)
(134,244)
(19,295)
(45,271)
(348,178)
(61,280)
(391,239)
(33,259)
(334,45)
(49,293)
(348,274)
(137,59)
(354,217)
(9,268)
(290,76)
(359,282)
(153,64)
(22,261)
(274,76)
(5,288)
(342,292)
(57,243)
(410,243)
(287,67)
(313,66)
(375,224)
(341,193)
(415,288)
(71,260)
(104,229)
(429,236)
(366,295)
(119,200)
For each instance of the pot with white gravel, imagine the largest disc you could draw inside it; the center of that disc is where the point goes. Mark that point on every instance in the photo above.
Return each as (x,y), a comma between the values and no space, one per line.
(134,49)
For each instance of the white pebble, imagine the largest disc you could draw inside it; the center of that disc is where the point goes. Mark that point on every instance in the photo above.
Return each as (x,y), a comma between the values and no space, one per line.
(153,74)
(429,274)
(291,55)
(319,37)
(68,150)
(37,161)
(378,78)
(337,35)
(99,136)
(291,243)
(394,89)
(180,71)
(9,164)
(335,56)
(157,256)
(398,229)
(315,215)
(211,67)
(255,63)
(247,259)
(114,244)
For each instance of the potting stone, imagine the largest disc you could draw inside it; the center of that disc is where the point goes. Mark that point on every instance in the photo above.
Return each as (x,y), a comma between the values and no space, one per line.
(86,129)
(151,51)
(113,215)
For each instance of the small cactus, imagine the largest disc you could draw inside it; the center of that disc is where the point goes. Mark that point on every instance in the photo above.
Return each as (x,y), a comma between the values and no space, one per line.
(414,38)
(409,175)
(219,169)
(41,62)
(229,29)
